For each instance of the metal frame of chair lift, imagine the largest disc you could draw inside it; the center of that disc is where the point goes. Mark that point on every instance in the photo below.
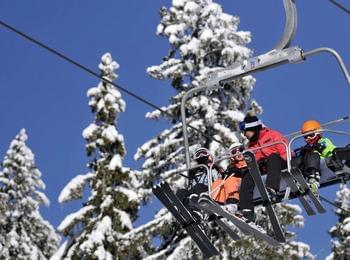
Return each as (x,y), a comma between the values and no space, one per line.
(281,54)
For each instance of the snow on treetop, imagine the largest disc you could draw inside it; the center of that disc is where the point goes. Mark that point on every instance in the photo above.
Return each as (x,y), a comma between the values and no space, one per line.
(111,134)
(191,7)
(107,66)
(179,3)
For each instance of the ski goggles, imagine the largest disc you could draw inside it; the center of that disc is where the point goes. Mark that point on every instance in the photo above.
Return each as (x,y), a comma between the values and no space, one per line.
(201,154)
(236,151)
(310,136)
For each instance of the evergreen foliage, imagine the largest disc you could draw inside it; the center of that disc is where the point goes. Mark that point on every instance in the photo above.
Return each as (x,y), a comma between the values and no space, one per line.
(24,234)
(340,233)
(94,231)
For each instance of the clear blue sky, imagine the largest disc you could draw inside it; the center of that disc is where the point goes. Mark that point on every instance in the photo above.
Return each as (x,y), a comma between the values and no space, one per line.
(47,96)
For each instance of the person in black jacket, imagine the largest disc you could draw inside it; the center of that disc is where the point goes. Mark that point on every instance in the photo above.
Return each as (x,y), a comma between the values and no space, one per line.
(198,178)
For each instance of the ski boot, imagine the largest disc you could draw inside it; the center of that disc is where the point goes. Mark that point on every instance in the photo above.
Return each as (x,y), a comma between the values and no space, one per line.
(314,181)
(272,194)
(230,208)
(248,216)
(314,186)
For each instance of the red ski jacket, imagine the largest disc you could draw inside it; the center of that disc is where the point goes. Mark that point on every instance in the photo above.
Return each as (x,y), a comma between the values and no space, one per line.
(267,136)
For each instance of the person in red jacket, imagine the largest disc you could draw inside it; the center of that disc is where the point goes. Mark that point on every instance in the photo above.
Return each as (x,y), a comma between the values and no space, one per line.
(271,160)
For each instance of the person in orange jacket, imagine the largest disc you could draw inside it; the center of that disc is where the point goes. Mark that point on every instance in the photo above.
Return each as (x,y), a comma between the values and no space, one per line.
(271,160)
(225,190)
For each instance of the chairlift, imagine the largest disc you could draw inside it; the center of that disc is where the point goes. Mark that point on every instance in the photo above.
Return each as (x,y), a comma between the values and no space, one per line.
(293,184)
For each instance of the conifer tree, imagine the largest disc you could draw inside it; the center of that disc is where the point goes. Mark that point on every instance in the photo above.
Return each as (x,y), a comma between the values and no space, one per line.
(340,233)
(94,230)
(24,234)
(203,39)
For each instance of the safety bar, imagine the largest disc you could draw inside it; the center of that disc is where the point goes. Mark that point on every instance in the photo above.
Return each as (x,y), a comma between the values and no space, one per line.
(226,157)
(194,167)
(210,176)
(190,168)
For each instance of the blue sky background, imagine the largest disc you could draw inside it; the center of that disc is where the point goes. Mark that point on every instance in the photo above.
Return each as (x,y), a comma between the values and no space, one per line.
(47,96)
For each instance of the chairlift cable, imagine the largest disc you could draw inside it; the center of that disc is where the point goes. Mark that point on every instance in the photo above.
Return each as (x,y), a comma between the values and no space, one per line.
(340,6)
(79,65)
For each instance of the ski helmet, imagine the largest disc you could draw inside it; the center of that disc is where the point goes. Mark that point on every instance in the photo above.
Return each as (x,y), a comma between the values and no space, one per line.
(310,125)
(236,148)
(201,152)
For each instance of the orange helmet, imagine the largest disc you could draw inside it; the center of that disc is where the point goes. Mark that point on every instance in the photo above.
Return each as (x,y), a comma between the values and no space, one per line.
(310,125)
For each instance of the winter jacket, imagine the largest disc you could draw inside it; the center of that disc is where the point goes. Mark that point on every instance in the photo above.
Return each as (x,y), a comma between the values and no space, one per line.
(200,175)
(324,147)
(267,136)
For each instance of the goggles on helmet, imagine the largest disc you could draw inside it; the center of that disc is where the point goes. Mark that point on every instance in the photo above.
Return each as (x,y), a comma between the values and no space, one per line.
(201,154)
(236,150)
(310,136)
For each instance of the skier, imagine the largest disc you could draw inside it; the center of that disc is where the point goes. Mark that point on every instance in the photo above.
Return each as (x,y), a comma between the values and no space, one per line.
(308,156)
(271,160)
(225,190)
(198,179)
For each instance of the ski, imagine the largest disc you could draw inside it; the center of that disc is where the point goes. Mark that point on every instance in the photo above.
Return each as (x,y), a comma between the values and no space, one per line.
(182,215)
(303,184)
(226,227)
(220,222)
(255,173)
(209,206)
(294,188)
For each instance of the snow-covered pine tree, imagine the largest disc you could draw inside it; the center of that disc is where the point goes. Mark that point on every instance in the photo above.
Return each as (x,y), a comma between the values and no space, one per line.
(203,39)
(94,230)
(24,234)
(340,233)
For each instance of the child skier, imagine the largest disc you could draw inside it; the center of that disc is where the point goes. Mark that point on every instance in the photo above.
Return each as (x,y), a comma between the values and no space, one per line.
(198,179)
(225,190)
(308,158)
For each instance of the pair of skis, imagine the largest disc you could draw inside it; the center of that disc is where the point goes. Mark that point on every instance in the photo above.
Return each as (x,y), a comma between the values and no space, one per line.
(184,217)
(255,173)
(293,180)
(164,193)
(297,176)
(194,229)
